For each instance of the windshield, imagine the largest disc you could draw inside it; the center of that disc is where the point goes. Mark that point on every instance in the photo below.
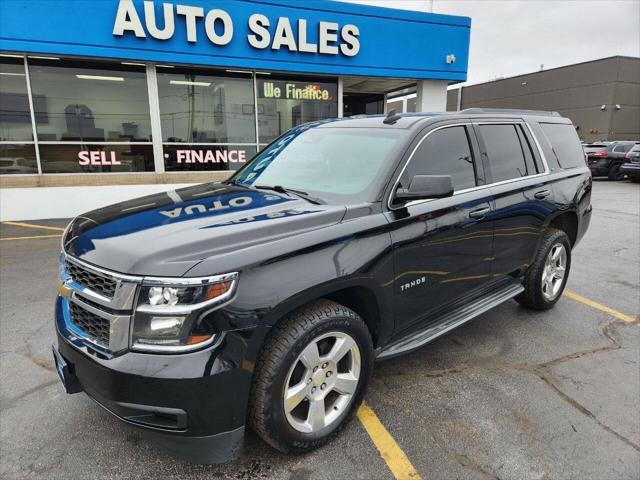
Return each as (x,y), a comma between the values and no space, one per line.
(336,165)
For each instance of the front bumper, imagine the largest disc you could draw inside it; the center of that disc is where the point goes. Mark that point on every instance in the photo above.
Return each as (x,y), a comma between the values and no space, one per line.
(194,404)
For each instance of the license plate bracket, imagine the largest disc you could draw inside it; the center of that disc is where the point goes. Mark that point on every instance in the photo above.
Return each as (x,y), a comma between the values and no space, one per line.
(69,380)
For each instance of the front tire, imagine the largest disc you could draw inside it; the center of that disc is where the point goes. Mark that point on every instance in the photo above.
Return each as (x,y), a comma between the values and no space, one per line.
(310,377)
(546,278)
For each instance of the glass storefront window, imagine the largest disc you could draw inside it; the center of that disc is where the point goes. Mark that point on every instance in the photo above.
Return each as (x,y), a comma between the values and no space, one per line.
(206,107)
(411,104)
(284,103)
(93,116)
(197,157)
(15,115)
(17,159)
(88,158)
(90,101)
(395,105)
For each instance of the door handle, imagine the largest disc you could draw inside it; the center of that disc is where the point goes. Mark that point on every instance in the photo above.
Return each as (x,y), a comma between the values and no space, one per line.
(480,212)
(542,194)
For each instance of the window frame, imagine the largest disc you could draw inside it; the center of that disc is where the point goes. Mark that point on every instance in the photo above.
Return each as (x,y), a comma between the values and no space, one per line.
(538,155)
(478,167)
(539,158)
(485,156)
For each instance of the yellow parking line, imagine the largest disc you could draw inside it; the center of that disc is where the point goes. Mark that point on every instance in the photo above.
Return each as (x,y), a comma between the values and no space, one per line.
(603,308)
(29,238)
(29,225)
(390,451)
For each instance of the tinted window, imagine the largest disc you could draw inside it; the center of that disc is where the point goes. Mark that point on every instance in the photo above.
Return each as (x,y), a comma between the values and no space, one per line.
(504,151)
(532,165)
(444,152)
(623,148)
(592,149)
(565,143)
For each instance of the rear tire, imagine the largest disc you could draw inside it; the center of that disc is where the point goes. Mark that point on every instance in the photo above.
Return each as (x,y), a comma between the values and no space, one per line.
(546,278)
(615,173)
(311,376)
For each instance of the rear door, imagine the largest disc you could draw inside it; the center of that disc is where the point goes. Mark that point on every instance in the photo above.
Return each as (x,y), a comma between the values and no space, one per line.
(442,247)
(522,194)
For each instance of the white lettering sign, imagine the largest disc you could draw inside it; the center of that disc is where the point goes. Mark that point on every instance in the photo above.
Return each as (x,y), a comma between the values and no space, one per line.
(97,158)
(219,29)
(211,156)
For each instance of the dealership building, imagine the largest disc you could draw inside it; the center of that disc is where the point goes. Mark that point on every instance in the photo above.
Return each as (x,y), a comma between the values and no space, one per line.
(103,101)
(601,97)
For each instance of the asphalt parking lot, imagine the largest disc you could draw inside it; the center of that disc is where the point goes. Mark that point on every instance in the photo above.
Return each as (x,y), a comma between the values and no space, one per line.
(513,394)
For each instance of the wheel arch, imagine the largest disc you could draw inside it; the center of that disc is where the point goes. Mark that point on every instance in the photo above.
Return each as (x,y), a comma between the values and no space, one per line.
(568,223)
(360,295)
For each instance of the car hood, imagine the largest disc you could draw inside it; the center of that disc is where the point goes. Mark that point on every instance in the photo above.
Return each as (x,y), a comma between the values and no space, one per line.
(169,233)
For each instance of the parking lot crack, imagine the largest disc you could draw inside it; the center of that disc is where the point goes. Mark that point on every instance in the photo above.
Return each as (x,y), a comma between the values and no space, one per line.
(544,372)
(36,359)
(547,378)
(11,402)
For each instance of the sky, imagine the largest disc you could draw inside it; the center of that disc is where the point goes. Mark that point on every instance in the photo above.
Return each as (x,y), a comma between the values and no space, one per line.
(511,37)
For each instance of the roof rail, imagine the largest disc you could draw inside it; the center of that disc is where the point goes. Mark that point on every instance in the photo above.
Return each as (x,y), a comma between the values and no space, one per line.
(511,110)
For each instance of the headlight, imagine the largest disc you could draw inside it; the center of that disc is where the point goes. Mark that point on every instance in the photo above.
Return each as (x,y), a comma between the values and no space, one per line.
(170,312)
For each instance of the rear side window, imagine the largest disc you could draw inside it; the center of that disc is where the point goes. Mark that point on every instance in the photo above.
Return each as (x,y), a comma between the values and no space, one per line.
(565,143)
(623,148)
(444,152)
(532,165)
(503,147)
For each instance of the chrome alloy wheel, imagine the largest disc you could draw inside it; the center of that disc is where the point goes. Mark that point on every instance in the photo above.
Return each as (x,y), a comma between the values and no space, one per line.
(322,382)
(555,268)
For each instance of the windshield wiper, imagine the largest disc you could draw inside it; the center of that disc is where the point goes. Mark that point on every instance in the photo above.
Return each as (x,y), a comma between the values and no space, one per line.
(298,193)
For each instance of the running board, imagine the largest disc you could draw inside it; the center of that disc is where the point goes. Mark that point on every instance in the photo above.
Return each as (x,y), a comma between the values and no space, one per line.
(450,321)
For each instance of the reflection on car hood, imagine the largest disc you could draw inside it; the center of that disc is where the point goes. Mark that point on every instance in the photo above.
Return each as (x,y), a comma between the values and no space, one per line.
(167,234)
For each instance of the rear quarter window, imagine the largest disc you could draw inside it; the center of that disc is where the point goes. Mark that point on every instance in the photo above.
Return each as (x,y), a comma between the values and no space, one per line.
(565,143)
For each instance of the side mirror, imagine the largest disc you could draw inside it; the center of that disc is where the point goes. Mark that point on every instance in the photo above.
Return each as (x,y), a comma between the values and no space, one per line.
(426,186)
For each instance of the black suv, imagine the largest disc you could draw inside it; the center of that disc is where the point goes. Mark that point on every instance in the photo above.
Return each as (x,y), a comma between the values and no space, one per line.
(631,167)
(608,160)
(266,299)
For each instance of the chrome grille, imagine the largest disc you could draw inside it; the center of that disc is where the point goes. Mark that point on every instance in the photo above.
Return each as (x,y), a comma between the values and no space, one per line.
(93,281)
(95,326)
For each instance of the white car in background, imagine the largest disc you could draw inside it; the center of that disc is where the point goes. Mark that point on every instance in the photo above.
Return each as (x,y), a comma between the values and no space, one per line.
(16,165)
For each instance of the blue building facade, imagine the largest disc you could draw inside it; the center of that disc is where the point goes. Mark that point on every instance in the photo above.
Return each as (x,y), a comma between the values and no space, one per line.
(130,86)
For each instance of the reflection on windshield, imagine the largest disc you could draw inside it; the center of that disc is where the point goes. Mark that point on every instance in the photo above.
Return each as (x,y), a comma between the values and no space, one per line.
(329,161)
